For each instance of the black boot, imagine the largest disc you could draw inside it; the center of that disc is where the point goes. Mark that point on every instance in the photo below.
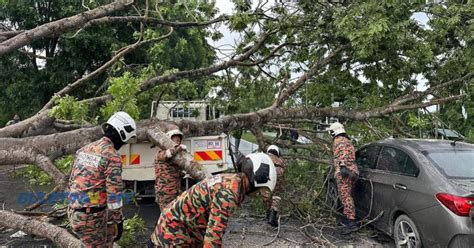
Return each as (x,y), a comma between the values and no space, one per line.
(273,218)
(342,221)
(349,228)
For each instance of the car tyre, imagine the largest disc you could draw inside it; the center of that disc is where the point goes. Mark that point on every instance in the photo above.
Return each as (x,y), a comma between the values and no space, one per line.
(405,233)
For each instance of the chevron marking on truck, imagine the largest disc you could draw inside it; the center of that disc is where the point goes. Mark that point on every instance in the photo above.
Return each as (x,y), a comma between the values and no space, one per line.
(208,155)
(124,159)
(135,159)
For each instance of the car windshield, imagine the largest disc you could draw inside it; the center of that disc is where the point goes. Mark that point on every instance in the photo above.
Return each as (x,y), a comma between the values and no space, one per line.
(454,164)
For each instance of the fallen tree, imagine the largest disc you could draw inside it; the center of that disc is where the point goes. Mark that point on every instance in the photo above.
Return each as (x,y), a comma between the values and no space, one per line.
(322,60)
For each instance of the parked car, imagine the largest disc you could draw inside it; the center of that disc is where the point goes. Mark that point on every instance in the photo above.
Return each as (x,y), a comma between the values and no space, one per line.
(425,189)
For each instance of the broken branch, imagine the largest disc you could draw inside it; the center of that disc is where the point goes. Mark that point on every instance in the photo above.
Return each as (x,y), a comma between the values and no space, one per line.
(59,236)
(60,26)
(183,159)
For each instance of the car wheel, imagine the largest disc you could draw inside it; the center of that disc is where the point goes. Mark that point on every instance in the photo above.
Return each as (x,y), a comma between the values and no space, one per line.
(406,233)
(332,196)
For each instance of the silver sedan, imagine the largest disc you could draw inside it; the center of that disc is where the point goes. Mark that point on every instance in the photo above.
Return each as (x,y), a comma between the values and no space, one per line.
(422,191)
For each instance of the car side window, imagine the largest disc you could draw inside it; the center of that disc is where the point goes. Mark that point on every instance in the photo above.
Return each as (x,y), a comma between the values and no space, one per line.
(389,160)
(367,157)
(396,161)
(410,167)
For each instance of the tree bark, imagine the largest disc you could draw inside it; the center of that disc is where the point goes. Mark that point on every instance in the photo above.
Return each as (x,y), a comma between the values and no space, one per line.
(28,155)
(31,126)
(58,27)
(59,236)
(150,20)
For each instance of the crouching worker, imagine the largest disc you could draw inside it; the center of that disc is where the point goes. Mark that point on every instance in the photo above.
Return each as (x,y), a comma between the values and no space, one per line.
(272,201)
(95,199)
(198,217)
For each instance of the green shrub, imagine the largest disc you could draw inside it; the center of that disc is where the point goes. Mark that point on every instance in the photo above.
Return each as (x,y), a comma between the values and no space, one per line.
(36,176)
(132,228)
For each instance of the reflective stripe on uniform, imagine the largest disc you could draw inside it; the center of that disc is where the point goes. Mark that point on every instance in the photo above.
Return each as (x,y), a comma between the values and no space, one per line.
(115,205)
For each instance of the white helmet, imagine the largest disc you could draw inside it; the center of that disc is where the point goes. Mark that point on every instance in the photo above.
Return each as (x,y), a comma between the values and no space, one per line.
(124,124)
(264,171)
(174,132)
(275,148)
(335,129)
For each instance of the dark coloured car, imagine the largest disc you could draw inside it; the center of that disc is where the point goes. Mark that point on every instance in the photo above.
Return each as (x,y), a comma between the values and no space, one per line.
(425,189)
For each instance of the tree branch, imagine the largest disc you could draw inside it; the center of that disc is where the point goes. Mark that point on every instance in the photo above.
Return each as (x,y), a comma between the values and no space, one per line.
(306,76)
(183,159)
(45,198)
(30,126)
(19,151)
(418,94)
(276,49)
(58,27)
(59,236)
(122,52)
(363,115)
(5,35)
(262,142)
(203,71)
(151,20)
(19,128)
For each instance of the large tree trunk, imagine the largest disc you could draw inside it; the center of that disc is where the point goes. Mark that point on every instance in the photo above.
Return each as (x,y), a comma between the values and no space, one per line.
(58,27)
(59,236)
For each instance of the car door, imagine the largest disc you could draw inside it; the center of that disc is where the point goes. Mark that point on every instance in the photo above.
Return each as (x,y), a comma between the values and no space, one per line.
(366,158)
(389,187)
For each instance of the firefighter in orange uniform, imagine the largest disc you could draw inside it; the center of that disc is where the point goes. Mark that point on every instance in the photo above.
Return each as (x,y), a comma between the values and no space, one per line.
(95,198)
(346,173)
(168,175)
(199,216)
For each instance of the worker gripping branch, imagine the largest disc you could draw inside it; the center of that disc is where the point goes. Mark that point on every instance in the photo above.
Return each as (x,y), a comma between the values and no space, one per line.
(168,175)
(346,173)
(272,201)
(95,199)
(199,216)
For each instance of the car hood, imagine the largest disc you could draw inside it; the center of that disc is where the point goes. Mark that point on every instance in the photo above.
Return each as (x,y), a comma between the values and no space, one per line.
(465,184)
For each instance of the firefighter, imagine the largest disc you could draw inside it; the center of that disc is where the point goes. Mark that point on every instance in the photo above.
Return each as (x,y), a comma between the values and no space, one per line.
(168,175)
(198,217)
(95,198)
(346,173)
(272,201)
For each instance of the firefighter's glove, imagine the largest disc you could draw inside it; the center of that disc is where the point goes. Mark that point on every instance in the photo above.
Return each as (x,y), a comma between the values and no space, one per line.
(118,231)
(169,153)
(346,173)
(182,147)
